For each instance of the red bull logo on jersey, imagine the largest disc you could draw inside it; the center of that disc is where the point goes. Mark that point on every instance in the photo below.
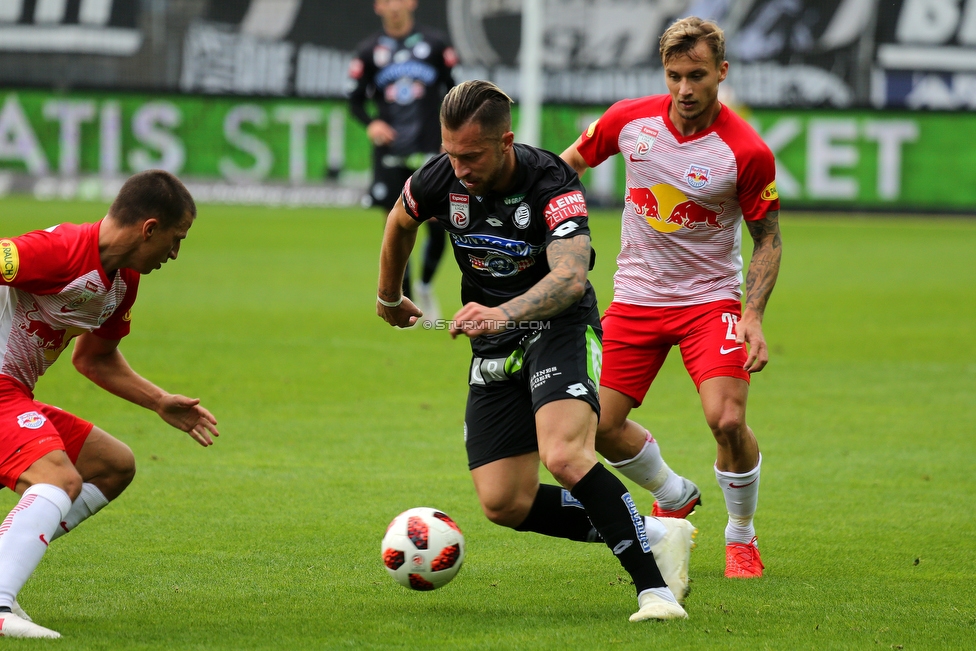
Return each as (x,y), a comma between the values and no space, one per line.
(46,337)
(9,260)
(31,420)
(667,209)
(697,176)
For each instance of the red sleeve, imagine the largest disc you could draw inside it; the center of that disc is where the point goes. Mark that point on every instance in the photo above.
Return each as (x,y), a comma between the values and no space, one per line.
(601,140)
(39,262)
(756,184)
(117,325)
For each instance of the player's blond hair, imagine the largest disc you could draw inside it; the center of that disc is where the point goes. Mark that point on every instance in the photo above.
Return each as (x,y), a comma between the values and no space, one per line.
(684,35)
(481,101)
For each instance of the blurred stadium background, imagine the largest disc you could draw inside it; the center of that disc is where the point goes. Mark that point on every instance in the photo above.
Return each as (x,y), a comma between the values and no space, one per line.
(270,539)
(864,103)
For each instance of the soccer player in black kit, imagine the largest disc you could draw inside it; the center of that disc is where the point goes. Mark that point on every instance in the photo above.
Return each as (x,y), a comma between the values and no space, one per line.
(517,221)
(405,69)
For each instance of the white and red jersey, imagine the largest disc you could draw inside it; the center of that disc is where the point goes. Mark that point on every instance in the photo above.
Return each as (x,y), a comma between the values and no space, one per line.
(685,200)
(52,289)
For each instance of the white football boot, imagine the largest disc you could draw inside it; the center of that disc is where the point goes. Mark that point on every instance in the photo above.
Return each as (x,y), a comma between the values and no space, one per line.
(12,625)
(654,607)
(20,611)
(673,552)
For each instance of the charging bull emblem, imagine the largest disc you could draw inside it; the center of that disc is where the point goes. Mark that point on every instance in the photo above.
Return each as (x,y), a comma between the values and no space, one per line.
(667,209)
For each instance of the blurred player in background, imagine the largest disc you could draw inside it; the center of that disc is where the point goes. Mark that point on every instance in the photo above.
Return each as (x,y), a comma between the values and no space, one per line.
(405,69)
(518,223)
(55,285)
(695,171)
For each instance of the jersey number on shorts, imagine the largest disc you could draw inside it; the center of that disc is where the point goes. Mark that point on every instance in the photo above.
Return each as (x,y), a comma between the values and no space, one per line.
(730,319)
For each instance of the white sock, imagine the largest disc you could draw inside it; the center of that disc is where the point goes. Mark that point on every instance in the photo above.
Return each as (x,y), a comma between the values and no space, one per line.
(90,502)
(664,593)
(648,470)
(25,534)
(654,529)
(741,493)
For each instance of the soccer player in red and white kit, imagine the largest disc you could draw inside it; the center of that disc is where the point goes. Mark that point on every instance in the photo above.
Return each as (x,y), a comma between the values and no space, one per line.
(77,281)
(695,171)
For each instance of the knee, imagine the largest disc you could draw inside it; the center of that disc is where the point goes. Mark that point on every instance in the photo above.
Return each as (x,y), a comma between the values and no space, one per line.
(568,464)
(125,468)
(610,430)
(506,514)
(70,482)
(119,471)
(729,428)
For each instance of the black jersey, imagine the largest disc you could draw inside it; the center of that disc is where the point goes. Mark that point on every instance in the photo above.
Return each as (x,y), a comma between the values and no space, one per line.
(407,78)
(500,240)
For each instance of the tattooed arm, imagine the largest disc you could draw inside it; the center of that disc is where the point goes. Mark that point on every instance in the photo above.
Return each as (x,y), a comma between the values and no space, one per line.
(569,260)
(763,270)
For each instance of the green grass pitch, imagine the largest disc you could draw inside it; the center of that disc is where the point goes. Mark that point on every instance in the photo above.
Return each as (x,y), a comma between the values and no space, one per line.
(332,423)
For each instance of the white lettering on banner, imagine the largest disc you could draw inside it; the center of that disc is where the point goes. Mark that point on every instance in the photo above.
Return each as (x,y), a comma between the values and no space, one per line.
(110,139)
(70,114)
(561,208)
(967,31)
(147,127)
(298,119)
(778,136)
(927,21)
(246,142)
(18,142)
(824,153)
(833,144)
(924,34)
(890,135)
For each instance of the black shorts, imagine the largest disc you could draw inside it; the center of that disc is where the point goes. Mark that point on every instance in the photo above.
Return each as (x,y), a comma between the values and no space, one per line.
(505,392)
(390,173)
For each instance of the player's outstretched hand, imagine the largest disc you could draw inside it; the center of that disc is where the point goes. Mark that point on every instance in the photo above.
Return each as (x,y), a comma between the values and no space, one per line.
(403,315)
(749,330)
(187,415)
(475,320)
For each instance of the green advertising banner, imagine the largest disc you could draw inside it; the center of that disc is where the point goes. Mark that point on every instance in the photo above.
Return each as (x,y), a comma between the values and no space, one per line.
(898,161)
(895,161)
(245,141)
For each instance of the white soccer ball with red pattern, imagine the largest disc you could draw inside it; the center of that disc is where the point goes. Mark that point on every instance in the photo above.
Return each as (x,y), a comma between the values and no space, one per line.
(423,548)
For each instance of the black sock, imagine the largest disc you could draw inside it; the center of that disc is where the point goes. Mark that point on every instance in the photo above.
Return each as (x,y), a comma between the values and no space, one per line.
(557,513)
(433,250)
(5,609)
(614,514)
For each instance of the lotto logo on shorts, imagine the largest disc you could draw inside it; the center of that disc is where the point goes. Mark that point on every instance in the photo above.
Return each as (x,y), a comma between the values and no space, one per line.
(31,420)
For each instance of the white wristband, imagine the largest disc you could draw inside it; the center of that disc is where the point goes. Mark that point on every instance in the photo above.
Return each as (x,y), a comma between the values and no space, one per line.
(395,303)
